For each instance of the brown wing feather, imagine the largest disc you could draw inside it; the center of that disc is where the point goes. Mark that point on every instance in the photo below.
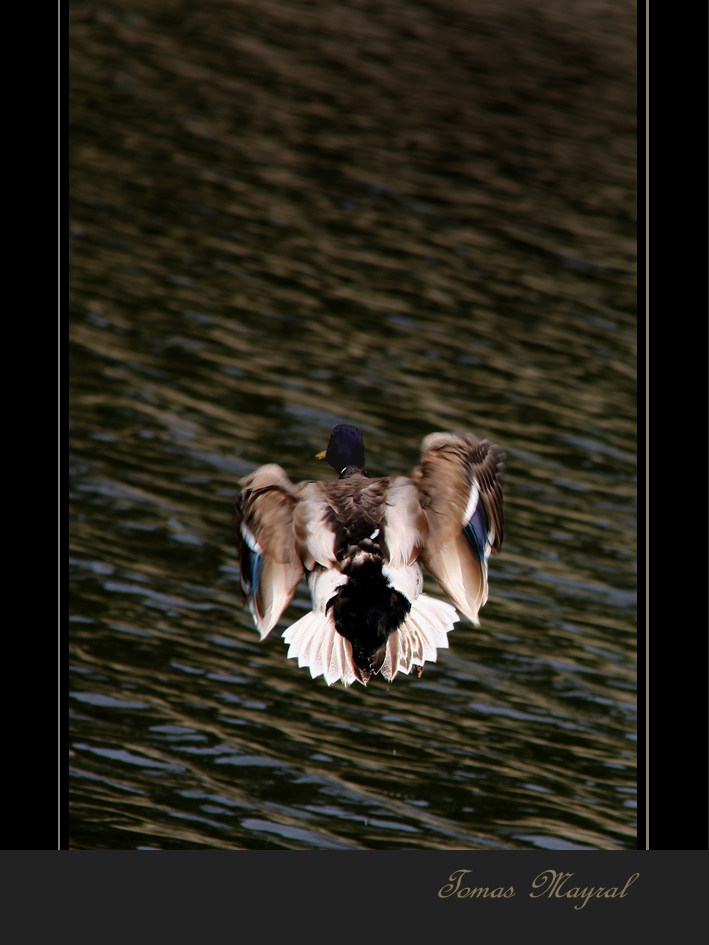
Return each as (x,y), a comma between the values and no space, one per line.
(405,525)
(316,525)
(457,474)
(264,511)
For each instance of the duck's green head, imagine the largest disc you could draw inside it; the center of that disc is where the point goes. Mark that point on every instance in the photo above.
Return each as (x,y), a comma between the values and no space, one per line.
(346,448)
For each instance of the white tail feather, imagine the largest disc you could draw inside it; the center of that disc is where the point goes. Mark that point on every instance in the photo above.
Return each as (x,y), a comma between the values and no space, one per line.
(426,627)
(336,666)
(297,633)
(315,642)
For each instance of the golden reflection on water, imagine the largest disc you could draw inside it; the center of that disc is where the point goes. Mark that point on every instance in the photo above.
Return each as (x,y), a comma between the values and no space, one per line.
(415,221)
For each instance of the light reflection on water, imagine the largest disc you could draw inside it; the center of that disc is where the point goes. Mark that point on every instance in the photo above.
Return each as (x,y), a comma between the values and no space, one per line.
(238,287)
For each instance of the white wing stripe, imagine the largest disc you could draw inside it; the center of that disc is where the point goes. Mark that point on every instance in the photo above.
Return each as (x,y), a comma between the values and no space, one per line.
(472,503)
(250,540)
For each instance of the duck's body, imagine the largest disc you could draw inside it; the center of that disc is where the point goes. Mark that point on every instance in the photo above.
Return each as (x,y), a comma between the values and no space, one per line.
(360,541)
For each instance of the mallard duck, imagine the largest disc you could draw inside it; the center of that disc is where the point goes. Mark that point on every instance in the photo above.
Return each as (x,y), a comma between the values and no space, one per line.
(362,542)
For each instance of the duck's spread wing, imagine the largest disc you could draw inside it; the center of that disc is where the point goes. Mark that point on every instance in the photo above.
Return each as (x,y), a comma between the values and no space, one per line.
(460,484)
(270,566)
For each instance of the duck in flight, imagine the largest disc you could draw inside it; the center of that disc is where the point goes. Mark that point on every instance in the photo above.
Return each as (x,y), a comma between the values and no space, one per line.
(362,543)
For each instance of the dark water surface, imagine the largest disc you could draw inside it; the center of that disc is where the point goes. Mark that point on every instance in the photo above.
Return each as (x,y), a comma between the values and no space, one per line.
(412,216)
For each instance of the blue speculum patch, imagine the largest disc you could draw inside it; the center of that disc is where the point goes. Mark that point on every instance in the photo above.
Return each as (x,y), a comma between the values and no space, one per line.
(476,532)
(251,567)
